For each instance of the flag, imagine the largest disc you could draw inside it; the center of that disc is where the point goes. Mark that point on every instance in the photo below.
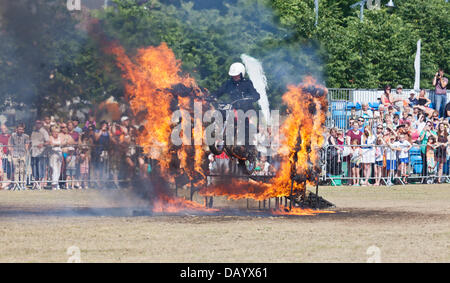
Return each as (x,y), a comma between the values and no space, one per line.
(316,9)
(417,67)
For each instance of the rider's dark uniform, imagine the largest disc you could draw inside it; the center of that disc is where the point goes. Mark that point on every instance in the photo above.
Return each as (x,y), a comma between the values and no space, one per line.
(238,90)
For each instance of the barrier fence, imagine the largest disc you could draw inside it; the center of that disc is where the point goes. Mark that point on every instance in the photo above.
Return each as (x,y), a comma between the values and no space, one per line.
(94,166)
(384,164)
(71,166)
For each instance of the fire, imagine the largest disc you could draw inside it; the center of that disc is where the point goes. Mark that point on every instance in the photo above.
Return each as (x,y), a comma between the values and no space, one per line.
(153,79)
(156,87)
(166,204)
(302,134)
(283,210)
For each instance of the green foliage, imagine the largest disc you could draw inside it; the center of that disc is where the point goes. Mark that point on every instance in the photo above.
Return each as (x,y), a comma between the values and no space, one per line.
(47,65)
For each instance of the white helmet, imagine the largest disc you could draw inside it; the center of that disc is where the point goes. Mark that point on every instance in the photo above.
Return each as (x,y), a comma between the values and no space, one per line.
(236,69)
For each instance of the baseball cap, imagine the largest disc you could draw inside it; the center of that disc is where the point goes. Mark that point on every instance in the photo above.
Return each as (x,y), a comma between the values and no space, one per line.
(124,118)
(399,86)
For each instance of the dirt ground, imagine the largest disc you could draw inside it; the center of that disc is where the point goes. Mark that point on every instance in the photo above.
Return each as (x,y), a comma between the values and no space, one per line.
(396,224)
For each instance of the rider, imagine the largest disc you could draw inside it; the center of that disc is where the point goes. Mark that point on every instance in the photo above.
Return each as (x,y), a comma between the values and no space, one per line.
(238,87)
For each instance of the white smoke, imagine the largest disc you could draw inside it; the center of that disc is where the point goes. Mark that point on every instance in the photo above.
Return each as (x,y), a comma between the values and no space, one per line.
(256,74)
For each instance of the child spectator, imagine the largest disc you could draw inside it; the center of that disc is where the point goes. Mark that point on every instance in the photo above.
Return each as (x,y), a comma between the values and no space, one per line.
(391,160)
(379,160)
(84,168)
(430,155)
(443,139)
(403,147)
(425,135)
(355,161)
(368,154)
(71,168)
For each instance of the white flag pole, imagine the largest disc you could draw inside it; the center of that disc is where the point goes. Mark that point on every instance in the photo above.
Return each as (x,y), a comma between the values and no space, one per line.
(316,8)
(417,68)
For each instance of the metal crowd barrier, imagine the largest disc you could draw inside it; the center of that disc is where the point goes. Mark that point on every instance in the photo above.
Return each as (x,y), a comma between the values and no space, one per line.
(338,161)
(20,170)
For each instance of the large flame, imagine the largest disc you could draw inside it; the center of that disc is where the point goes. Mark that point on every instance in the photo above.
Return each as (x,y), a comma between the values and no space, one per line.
(302,136)
(152,77)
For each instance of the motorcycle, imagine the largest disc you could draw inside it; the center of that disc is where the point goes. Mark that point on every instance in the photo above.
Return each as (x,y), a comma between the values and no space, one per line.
(244,154)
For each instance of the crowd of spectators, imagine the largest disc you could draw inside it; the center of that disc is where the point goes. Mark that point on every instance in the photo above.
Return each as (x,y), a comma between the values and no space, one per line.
(68,154)
(379,145)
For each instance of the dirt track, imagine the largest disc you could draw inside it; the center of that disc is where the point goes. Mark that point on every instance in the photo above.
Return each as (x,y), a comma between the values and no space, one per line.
(407,224)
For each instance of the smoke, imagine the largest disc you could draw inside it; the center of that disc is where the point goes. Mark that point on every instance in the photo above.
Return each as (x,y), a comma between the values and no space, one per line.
(256,73)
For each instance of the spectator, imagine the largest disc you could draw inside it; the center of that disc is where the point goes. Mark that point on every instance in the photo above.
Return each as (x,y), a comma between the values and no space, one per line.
(398,97)
(431,161)
(355,161)
(90,132)
(387,99)
(85,158)
(391,112)
(447,112)
(413,100)
(440,82)
(361,124)
(131,155)
(19,144)
(71,131)
(404,118)
(47,123)
(56,157)
(354,133)
(403,147)
(396,120)
(426,133)
(90,122)
(71,162)
(332,156)
(352,117)
(6,164)
(368,154)
(366,113)
(102,139)
(424,102)
(76,125)
(416,113)
(39,141)
(68,145)
(391,159)
(443,140)
(379,160)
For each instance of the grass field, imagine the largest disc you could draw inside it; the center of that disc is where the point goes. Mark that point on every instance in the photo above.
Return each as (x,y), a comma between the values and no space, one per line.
(406,224)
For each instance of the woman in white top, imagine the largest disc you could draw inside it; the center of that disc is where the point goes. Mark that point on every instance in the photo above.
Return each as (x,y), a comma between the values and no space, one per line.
(368,154)
(55,159)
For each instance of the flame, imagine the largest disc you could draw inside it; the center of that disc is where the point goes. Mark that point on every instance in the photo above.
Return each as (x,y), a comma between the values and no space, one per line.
(283,210)
(166,204)
(152,77)
(302,135)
